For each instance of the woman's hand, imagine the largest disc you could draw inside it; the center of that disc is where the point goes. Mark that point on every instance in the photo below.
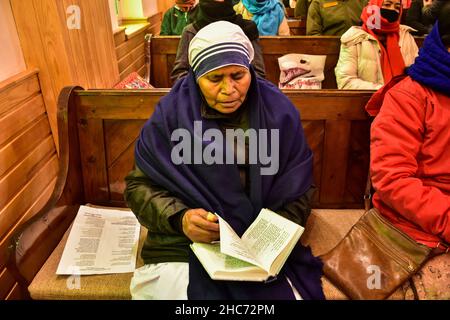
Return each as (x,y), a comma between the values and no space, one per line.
(199,227)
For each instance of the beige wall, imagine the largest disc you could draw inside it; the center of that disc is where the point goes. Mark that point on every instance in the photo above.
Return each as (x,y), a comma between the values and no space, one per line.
(114,16)
(11,56)
(163,5)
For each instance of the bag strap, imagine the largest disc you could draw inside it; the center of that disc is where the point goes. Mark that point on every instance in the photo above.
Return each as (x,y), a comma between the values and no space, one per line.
(368,193)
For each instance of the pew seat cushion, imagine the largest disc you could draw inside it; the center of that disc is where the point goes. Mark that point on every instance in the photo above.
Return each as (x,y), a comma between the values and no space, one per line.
(325,228)
(47,285)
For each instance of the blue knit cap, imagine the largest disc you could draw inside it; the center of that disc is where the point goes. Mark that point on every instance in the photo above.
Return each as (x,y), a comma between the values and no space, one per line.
(217,45)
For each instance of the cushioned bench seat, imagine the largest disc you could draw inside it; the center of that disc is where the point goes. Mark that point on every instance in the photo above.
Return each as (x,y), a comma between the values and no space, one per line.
(47,285)
(325,229)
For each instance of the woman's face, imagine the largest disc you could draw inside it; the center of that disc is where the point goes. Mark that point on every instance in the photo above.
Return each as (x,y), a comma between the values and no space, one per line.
(392,5)
(225,88)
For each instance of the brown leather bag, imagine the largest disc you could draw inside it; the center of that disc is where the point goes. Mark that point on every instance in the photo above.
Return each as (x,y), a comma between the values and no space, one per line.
(374,258)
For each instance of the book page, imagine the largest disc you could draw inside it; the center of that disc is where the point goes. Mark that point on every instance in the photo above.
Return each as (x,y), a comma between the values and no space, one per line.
(268,235)
(224,267)
(232,245)
(101,241)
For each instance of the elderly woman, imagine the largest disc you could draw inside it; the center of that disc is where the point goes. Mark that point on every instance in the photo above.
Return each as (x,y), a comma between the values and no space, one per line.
(373,54)
(209,11)
(172,198)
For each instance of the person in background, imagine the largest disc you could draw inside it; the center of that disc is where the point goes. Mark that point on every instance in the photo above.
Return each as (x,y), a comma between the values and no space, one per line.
(333,18)
(301,9)
(177,18)
(209,11)
(269,16)
(379,50)
(419,17)
(172,199)
(410,155)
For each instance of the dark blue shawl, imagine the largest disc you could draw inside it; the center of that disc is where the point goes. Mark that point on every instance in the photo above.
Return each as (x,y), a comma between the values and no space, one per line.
(217,187)
(432,66)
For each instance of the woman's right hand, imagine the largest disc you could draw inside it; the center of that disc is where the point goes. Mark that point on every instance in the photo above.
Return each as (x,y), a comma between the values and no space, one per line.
(197,226)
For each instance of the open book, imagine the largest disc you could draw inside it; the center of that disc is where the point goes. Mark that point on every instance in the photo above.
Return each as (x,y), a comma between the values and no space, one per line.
(258,256)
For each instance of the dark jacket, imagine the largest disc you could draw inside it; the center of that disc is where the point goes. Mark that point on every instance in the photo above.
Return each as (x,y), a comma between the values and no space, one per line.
(301,9)
(333,18)
(181,65)
(161,212)
(417,19)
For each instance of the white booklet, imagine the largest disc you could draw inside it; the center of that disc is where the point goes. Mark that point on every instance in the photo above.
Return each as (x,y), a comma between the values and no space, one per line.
(101,241)
(258,256)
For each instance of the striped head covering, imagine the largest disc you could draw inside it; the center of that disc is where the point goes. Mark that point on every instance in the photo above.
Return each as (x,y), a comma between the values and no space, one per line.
(217,45)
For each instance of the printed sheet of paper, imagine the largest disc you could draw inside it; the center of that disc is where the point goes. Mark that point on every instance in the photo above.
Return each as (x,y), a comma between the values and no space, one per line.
(101,241)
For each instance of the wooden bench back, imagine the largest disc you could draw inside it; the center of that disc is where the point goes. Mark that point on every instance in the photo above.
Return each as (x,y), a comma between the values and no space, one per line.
(335,124)
(164,50)
(97,130)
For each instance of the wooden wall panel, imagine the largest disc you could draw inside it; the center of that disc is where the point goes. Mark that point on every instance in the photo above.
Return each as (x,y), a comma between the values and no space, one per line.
(131,54)
(14,122)
(7,282)
(12,182)
(84,56)
(23,143)
(29,201)
(28,162)
(15,293)
(19,87)
(131,57)
(130,48)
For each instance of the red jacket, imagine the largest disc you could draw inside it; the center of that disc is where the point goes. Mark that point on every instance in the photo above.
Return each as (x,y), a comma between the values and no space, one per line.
(410,161)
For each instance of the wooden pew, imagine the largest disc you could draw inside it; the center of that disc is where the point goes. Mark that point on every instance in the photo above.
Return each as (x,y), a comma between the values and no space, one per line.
(164,50)
(297,27)
(97,132)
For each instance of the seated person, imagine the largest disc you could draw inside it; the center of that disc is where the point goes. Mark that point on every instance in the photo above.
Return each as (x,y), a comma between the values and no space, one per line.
(172,198)
(209,11)
(379,50)
(177,17)
(333,18)
(410,153)
(301,9)
(419,17)
(268,15)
